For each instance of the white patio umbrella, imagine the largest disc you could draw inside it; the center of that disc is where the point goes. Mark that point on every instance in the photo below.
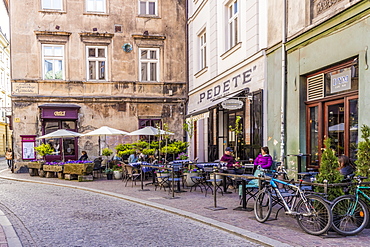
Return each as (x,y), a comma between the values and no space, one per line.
(104,131)
(149,130)
(61,133)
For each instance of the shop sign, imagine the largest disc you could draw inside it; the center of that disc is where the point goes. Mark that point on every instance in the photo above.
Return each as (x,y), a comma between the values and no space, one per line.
(232,104)
(25,88)
(59,113)
(341,81)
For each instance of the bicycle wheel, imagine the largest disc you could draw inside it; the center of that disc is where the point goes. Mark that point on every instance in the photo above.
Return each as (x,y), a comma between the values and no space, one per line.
(349,217)
(262,205)
(315,216)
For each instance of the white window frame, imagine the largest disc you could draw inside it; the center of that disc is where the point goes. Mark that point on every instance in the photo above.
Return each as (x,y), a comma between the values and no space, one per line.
(232,25)
(148,61)
(94,8)
(97,60)
(54,58)
(147,7)
(53,5)
(202,37)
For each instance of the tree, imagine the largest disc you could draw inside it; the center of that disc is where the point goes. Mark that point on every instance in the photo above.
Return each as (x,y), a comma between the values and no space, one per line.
(363,154)
(238,128)
(329,171)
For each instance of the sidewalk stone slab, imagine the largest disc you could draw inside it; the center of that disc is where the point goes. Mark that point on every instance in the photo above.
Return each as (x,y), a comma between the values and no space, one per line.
(281,232)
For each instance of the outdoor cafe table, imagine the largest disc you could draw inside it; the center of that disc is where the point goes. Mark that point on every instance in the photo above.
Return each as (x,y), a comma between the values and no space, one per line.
(143,165)
(207,164)
(179,161)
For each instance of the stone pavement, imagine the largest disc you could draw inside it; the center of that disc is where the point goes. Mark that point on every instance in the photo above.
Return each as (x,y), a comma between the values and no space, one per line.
(282,232)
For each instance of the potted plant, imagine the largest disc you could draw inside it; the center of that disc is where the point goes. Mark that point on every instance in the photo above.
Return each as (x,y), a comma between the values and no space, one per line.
(162,173)
(107,152)
(109,173)
(35,167)
(190,172)
(329,172)
(182,156)
(44,149)
(117,171)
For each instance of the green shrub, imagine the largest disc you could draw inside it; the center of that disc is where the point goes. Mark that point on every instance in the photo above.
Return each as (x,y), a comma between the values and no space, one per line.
(329,171)
(44,149)
(363,154)
(107,152)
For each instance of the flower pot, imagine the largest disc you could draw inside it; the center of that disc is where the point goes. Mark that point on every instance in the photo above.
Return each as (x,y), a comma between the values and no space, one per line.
(160,176)
(109,176)
(188,180)
(117,174)
(217,177)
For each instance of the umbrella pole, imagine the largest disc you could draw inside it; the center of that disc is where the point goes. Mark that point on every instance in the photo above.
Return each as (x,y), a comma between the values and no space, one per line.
(99,146)
(62,150)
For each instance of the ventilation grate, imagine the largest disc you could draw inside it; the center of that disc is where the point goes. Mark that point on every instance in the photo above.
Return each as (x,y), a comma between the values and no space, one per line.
(315,87)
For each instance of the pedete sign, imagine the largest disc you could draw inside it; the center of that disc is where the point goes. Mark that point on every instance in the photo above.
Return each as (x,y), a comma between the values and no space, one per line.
(232,104)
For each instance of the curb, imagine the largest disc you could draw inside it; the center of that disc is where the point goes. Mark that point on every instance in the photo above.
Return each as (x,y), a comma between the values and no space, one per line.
(254,237)
(10,234)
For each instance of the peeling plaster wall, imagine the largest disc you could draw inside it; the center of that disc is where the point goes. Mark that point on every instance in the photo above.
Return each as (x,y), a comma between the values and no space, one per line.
(118,102)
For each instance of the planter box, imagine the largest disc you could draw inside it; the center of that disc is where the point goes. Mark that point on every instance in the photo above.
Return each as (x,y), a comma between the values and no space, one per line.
(34,165)
(52,168)
(79,169)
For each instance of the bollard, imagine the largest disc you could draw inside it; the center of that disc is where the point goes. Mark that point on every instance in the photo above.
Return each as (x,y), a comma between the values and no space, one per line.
(325,186)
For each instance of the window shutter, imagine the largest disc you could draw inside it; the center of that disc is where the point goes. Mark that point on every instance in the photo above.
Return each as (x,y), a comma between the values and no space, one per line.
(315,87)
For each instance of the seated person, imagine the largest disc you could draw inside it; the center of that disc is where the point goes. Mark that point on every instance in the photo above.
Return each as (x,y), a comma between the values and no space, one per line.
(116,158)
(83,156)
(345,166)
(264,159)
(228,158)
(133,158)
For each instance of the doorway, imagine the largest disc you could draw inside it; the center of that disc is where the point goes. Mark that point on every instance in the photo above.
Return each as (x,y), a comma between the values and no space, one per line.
(336,119)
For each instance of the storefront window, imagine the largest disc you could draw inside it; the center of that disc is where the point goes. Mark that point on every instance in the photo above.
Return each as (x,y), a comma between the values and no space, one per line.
(336,127)
(332,110)
(353,128)
(314,135)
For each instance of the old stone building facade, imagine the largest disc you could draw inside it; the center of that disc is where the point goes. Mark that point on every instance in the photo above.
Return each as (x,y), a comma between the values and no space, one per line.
(80,65)
(5,100)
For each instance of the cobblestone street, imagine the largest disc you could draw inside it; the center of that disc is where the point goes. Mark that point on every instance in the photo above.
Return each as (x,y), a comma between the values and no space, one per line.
(135,220)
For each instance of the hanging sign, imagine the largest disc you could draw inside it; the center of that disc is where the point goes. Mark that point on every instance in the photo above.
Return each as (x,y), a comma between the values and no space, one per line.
(341,81)
(232,104)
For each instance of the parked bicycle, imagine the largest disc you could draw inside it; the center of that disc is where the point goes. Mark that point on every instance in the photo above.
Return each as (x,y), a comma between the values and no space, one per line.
(350,212)
(311,211)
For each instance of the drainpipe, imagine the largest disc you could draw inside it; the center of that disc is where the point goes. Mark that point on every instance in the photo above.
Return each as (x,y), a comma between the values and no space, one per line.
(283,82)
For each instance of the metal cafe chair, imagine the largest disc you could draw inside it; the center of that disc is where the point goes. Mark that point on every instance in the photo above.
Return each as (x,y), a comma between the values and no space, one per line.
(132,173)
(97,169)
(209,182)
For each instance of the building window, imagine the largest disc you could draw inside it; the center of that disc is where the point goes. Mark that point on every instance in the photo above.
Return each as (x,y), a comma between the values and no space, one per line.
(97,63)
(202,51)
(95,6)
(147,7)
(232,24)
(53,62)
(149,64)
(149,122)
(52,4)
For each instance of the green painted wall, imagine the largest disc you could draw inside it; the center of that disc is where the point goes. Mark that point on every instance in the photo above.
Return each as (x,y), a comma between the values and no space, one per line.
(309,54)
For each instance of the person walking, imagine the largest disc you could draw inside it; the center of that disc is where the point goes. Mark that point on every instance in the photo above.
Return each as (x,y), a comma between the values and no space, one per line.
(9,157)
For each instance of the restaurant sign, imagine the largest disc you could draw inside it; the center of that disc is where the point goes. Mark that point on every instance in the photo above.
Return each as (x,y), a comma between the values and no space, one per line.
(341,81)
(232,104)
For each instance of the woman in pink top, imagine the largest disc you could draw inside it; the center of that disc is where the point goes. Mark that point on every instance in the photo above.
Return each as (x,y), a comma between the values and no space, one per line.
(264,159)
